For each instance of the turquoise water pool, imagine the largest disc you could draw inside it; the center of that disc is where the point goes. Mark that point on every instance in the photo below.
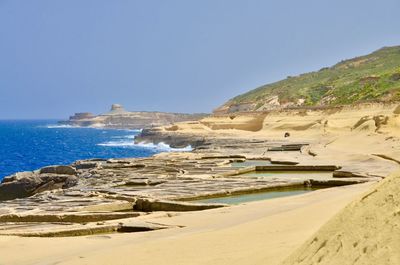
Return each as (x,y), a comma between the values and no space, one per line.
(271,194)
(291,175)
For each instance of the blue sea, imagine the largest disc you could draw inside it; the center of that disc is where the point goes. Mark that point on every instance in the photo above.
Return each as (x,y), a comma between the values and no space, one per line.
(32,144)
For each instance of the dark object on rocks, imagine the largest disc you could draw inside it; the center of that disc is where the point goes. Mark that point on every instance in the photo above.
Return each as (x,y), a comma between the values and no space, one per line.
(287,134)
(86,165)
(395,77)
(287,147)
(307,183)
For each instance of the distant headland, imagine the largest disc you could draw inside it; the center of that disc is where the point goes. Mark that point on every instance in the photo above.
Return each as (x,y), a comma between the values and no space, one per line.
(119,118)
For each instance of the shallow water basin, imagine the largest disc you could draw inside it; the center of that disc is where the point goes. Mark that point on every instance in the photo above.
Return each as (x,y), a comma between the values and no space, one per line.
(270,194)
(291,175)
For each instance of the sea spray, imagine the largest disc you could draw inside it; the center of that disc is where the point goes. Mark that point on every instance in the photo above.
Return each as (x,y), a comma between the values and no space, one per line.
(128,141)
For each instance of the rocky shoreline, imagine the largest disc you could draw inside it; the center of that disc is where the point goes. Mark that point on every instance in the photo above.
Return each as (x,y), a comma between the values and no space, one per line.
(90,196)
(326,157)
(117,195)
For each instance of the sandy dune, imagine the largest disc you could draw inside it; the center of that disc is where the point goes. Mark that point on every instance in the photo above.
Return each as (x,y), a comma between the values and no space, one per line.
(366,232)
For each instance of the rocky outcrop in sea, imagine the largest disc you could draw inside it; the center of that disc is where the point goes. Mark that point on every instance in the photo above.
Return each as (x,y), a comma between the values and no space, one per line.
(119,118)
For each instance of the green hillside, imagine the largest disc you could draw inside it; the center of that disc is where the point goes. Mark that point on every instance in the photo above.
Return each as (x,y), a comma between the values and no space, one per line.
(374,77)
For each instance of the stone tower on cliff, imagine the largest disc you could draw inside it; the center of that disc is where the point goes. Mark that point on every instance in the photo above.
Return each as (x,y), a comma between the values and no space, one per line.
(116,109)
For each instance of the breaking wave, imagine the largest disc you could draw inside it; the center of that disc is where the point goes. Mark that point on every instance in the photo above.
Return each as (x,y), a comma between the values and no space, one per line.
(124,137)
(157,147)
(128,141)
(61,126)
(67,126)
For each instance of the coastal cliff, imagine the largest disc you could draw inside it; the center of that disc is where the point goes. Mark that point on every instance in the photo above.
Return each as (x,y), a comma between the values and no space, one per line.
(366,119)
(371,78)
(119,118)
(358,127)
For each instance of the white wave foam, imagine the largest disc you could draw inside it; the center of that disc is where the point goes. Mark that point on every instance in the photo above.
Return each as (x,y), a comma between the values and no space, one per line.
(118,144)
(124,137)
(135,131)
(61,126)
(67,126)
(165,147)
(158,147)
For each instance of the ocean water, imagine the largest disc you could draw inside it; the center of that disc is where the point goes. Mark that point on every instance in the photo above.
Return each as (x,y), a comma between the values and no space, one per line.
(32,144)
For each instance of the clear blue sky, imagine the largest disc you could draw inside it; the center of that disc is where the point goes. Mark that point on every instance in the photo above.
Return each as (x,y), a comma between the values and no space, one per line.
(65,56)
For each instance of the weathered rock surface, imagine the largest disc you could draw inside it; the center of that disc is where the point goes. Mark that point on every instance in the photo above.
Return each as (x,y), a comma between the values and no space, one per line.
(63,229)
(98,190)
(26,184)
(62,170)
(151,205)
(154,135)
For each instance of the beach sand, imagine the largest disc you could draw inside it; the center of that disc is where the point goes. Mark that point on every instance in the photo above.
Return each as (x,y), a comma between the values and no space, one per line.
(366,232)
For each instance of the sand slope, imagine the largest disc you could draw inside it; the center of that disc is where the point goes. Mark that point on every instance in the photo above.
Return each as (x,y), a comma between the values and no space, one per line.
(366,232)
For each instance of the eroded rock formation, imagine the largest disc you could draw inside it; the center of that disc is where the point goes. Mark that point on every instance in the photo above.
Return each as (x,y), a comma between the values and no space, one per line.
(88,195)
(25,184)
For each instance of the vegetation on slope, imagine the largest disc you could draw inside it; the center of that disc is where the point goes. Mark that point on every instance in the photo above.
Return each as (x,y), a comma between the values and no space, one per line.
(374,77)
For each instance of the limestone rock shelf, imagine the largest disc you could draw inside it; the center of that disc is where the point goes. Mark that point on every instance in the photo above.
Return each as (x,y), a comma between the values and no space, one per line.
(122,189)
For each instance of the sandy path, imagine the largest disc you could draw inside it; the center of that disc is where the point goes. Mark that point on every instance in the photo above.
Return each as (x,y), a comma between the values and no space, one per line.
(263,232)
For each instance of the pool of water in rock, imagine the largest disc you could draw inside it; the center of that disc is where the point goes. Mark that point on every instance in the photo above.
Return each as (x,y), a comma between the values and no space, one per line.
(271,194)
(291,175)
